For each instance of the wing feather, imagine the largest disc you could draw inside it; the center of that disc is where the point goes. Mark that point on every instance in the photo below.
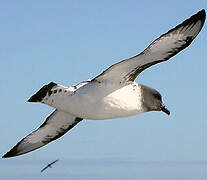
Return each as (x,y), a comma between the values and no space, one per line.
(161,49)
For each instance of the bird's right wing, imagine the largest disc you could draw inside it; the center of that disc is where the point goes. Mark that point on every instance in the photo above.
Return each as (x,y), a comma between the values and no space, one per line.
(160,50)
(56,125)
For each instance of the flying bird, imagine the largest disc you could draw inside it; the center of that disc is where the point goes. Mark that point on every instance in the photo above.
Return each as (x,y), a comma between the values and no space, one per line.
(49,165)
(112,94)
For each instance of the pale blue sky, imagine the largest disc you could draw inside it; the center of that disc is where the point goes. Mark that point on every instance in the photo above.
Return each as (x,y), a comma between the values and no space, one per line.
(70,41)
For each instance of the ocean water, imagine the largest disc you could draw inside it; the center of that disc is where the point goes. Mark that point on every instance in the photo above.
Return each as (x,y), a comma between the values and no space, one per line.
(102,168)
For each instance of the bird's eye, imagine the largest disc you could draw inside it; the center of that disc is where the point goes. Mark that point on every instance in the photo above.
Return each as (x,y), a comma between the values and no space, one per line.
(158,96)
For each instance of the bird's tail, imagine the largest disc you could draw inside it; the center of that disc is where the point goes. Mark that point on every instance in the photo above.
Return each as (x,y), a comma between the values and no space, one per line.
(43,93)
(50,94)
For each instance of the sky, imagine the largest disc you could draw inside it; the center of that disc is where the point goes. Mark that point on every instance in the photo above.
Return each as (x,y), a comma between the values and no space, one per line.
(70,41)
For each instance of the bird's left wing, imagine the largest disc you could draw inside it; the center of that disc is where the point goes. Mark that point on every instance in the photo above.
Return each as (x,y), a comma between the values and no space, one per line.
(161,49)
(56,125)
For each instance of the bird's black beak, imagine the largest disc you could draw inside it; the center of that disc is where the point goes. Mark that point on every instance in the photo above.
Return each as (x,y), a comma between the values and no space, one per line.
(165,110)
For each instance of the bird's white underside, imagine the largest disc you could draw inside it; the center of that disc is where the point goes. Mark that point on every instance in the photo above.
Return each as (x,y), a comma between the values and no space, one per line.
(98,101)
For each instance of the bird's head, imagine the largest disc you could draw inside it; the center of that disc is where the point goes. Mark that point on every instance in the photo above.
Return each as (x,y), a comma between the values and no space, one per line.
(152,100)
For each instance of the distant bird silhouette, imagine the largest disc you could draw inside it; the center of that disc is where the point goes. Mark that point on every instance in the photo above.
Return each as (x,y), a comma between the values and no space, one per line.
(49,165)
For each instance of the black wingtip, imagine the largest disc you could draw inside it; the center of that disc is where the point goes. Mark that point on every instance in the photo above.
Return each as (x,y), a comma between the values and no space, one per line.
(37,97)
(9,154)
(201,14)
(5,156)
(13,152)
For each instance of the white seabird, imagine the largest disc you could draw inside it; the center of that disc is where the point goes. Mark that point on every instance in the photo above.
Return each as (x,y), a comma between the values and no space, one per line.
(112,94)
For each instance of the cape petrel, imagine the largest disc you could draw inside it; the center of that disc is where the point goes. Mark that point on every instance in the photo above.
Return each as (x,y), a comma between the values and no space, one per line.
(112,94)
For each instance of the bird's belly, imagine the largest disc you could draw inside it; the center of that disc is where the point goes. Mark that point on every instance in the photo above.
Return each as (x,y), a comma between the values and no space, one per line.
(99,101)
(104,109)
(96,104)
